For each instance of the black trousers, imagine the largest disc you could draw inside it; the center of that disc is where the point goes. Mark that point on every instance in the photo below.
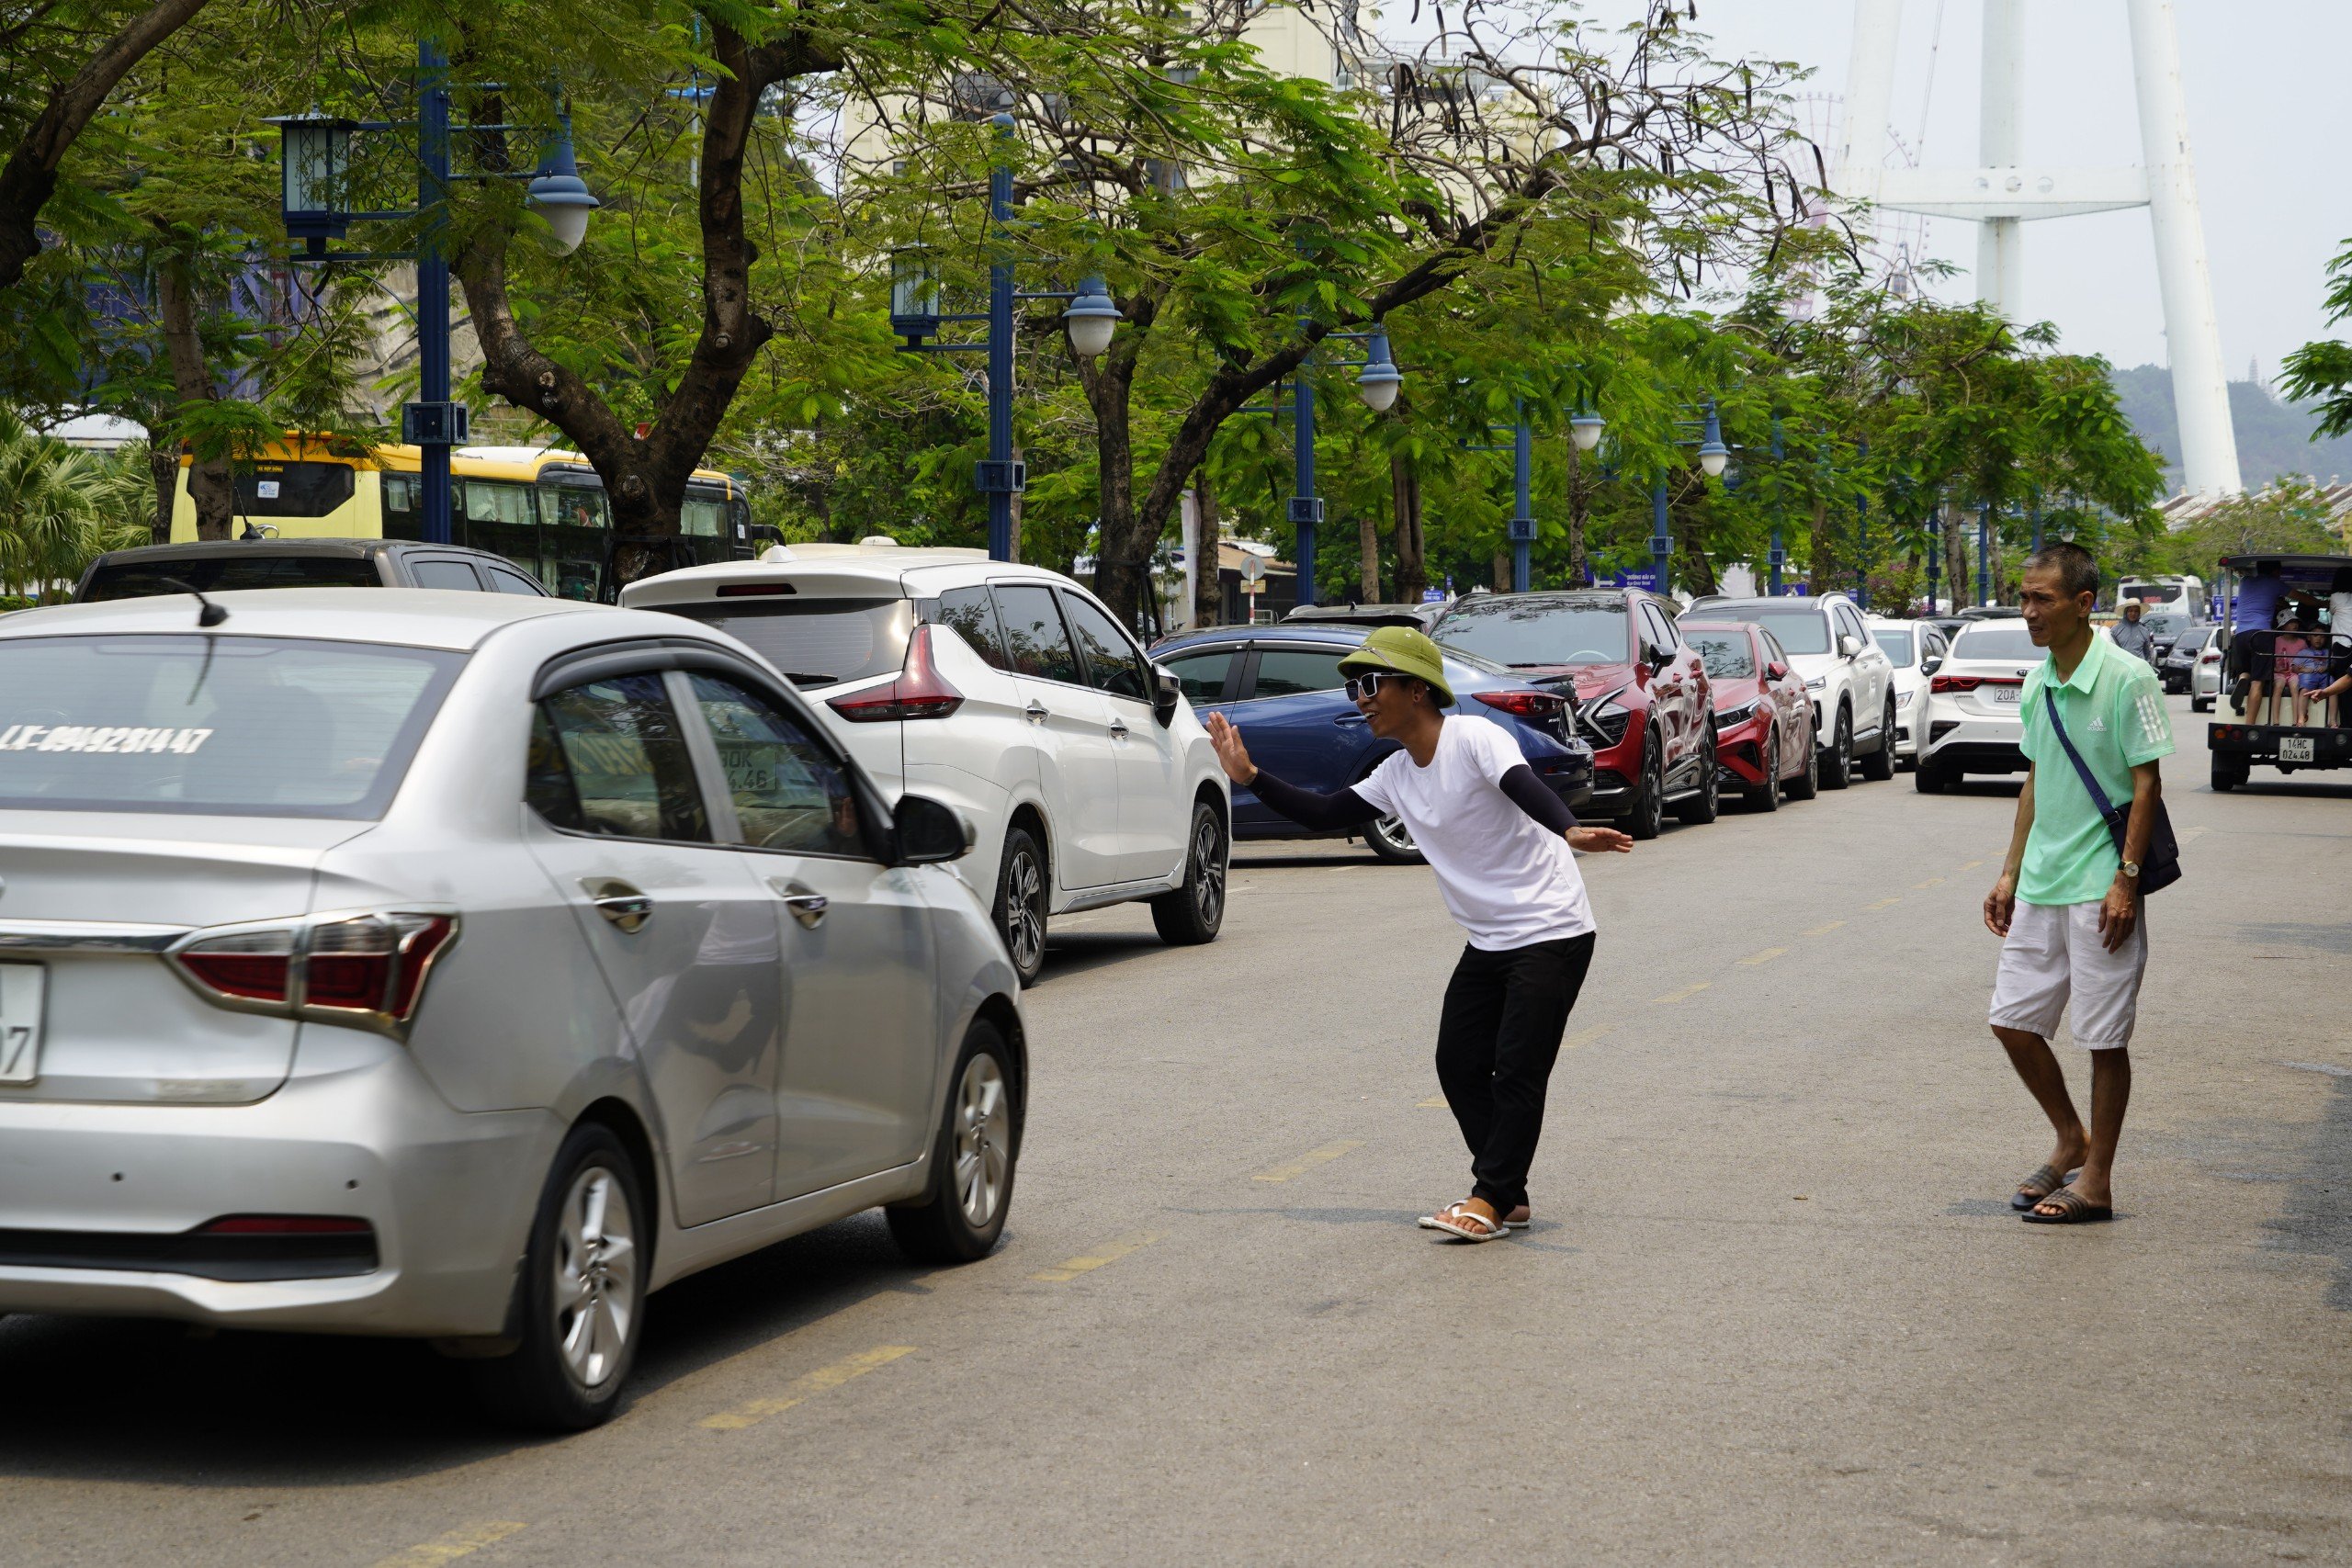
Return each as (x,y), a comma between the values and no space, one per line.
(1496,1040)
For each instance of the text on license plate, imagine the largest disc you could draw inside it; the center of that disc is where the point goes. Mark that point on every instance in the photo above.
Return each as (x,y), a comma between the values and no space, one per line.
(2297,748)
(21,988)
(2004,696)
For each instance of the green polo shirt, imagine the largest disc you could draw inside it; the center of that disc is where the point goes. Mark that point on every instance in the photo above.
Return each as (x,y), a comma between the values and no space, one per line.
(2113,707)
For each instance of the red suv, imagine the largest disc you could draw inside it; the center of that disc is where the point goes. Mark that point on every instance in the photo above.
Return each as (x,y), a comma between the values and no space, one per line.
(1640,691)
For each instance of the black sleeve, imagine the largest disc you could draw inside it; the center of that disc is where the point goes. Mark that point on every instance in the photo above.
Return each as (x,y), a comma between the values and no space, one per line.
(1531,795)
(1308,809)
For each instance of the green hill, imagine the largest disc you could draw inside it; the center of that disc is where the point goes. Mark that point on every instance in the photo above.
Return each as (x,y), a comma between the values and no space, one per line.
(2274,438)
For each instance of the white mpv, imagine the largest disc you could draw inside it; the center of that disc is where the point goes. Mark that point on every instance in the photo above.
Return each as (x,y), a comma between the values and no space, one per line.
(1007,692)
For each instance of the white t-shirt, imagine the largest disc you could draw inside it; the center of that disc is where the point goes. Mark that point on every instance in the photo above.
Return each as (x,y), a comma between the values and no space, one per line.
(1508,881)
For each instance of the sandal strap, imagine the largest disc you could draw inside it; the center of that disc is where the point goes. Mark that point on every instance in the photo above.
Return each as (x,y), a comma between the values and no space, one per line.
(2066,1198)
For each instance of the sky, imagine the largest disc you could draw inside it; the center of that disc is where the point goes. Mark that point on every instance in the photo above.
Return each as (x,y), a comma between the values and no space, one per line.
(2264,83)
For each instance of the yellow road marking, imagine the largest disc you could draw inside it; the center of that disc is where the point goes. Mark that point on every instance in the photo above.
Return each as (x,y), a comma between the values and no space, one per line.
(1884,902)
(1436,1102)
(1308,1161)
(1586,1036)
(1070,1268)
(807,1386)
(1971,865)
(1770,954)
(462,1541)
(1686,992)
(2189,834)
(1825,930)
(1932,882)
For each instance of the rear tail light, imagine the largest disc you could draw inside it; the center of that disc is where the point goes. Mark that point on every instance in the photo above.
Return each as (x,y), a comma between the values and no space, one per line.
(1969,682)
(1525,704)
(920,692)
(368,969)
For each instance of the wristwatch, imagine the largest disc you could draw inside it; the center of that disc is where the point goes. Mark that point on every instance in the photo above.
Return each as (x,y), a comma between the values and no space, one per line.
(2131,869)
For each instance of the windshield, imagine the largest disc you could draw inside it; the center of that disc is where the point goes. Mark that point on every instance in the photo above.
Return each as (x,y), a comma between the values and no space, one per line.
(1798,631)
(1521,633)
(2011,641)
(2165,623)
(2156,593)
(230,725)
(217,574)
(815,642)
(1897,645)
(1726,654)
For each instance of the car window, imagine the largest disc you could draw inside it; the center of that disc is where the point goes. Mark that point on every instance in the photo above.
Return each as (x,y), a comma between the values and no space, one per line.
(1288,672)
(504,582)
(1033,633)
(1657,630)
(1773,652)
(1203,675)
(445,574)
(2010,641)
(815,641)
(1797,630)
(1112,663)
(790,791)
(1726,655)
(217,574)
(1522,631)
(1897,644)
(971,613)
(609,757)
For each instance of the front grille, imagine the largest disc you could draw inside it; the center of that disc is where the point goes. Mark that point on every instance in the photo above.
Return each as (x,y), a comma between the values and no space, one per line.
(241,1258)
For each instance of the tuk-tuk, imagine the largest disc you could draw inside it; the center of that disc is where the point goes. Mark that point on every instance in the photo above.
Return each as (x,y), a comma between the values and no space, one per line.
(2286,663)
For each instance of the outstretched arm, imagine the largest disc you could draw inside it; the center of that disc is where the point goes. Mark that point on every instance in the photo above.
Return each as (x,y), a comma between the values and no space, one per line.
(1344,808)
(1531,795)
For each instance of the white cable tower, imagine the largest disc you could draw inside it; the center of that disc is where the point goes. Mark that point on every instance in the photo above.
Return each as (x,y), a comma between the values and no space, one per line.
(2004,192)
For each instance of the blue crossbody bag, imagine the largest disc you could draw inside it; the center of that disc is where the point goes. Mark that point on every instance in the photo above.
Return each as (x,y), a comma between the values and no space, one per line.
(2161,868)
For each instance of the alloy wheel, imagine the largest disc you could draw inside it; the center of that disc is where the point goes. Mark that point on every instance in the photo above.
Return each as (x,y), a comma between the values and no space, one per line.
(1024,914)
(1208,869)
(595,1276)
(983,1139)
(1392,832)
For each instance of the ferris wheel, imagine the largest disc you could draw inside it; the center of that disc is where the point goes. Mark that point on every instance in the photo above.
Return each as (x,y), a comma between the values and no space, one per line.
(1894,244)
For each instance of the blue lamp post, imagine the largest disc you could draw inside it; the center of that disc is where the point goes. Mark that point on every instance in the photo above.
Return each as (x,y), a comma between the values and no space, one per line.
(1780,556)
(1378,380)
(1714,457)
(315,153)
(1985,554)
(915,316)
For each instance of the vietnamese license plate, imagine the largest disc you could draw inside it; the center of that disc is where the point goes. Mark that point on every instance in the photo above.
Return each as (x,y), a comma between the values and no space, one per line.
(2004,696)
(2297,748)
(21,989)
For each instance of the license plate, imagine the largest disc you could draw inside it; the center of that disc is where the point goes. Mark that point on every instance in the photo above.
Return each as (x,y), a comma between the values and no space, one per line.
(2004,696)
(21,989)
(2297,748)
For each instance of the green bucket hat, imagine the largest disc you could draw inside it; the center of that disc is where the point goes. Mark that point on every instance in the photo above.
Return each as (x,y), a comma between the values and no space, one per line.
(1406,652)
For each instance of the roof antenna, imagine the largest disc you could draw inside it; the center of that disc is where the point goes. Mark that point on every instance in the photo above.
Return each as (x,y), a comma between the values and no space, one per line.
(211,616)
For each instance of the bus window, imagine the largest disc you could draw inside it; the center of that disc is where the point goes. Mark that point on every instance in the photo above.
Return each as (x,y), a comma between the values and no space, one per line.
(574,523)
(403,506)
(499,517)
(293,489)
(704,515)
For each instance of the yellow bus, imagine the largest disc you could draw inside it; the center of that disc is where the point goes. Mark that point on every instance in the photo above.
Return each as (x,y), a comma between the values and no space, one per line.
(543,509)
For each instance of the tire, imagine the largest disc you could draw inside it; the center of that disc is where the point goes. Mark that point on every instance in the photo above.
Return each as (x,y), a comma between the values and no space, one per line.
(1194,912)
(973,1158)
(1703,807)
(1931,779)
(2200,705)
(1388,839)
(1649,816)
(2228,774)
(1807,784)
(1022,904)
(1879,766)
(1766,796)
(567,1373)
(1838,760)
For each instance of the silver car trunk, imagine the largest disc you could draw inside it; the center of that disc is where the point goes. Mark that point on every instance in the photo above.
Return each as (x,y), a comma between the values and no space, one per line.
(90,898)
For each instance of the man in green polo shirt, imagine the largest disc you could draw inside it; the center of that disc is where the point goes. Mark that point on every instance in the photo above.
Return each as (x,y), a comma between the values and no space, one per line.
(2068,907)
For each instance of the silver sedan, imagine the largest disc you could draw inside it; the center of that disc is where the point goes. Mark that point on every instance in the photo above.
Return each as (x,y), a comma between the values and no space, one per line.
(465,966)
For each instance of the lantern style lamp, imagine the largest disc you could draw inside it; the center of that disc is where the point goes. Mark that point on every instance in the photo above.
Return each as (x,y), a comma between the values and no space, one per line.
(1712,454)
(1090,319)
(1377,382)
(1585,430)
(315,163)
(558,194)
(914,294)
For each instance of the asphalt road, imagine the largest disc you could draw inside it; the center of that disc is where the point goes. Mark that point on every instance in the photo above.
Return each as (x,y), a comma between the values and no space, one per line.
(1775,1308)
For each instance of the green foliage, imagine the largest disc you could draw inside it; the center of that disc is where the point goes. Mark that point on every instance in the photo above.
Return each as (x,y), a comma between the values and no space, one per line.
(61,506)
(2323,370)
(2292,517)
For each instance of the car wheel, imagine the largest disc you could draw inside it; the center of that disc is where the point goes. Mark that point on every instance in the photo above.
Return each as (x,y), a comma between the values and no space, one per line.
(1698,810)
(1766,796)
(961,1213)
(582,1292)
(1392,841)
(1649,797)
(1805,782)
(1020,904)
(1929,779)
(2200,705)
(1879,766)
(1837,762)
(1193,912)
(2229,772)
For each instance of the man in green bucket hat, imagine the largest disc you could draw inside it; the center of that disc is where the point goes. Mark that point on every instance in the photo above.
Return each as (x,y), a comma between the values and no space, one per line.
(1501,844)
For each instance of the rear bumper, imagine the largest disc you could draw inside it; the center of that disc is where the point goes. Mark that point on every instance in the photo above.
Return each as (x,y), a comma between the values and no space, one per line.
(2260,743)
(87,1187)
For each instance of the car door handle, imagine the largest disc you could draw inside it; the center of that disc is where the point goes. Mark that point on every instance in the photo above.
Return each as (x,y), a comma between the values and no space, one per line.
(808,904)
(1347,718)
(1118,727)
(1037,711)
(625,906)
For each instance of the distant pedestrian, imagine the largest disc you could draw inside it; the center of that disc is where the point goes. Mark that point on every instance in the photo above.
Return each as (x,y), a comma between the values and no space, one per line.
(2132,634)
(1499,841)
(2068,905)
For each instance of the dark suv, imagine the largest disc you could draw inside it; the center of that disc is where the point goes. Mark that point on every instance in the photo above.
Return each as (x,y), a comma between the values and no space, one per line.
(217,565)
(1640,691)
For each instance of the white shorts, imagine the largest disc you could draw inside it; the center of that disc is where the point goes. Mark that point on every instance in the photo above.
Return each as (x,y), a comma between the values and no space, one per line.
(2054,954)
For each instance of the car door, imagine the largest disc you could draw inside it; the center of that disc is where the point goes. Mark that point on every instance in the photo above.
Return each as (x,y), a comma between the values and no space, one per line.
(1873,672)
(1298,721)
(1078,766)
(684,935)
(1670,705)
(1785,693)
(857,988)
(444,572)
(1155,810)
(1210,676)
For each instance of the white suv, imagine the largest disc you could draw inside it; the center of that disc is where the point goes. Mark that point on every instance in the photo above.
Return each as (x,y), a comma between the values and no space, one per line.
(1848,676)
(1007,692)
(1916,650)
(1975,725)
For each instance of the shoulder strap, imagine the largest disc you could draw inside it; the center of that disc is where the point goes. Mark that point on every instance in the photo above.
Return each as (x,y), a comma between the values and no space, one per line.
(2082,769)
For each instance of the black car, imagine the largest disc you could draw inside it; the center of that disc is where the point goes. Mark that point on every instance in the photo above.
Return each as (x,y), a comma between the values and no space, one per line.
(2178,662)
(217,566)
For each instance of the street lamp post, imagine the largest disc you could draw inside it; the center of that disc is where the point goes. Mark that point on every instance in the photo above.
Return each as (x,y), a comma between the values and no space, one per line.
(1780,556)
(1714,456)
(1985,554)
(1522,517)
(1377,380)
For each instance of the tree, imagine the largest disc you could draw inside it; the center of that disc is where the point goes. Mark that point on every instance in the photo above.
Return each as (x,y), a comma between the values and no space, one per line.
(60,507)
(2323,370)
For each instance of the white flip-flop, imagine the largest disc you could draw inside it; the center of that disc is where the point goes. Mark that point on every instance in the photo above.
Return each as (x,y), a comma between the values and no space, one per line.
(1449,1220)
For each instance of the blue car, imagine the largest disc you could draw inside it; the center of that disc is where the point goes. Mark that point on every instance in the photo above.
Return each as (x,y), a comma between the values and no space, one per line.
(1282,686)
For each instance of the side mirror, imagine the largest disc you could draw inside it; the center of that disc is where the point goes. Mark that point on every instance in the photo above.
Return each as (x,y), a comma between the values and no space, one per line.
(1166,693)
(1659,659)
(1777,671)
(929,833)
(1930,664)
(1850,646)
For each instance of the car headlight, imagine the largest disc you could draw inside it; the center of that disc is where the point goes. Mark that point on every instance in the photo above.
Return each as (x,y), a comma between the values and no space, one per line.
(1819,683)
(1608,723)
(1726,719)
(1903,699)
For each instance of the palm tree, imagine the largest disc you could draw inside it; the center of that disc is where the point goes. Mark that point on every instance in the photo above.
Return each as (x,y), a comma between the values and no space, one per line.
(60,507)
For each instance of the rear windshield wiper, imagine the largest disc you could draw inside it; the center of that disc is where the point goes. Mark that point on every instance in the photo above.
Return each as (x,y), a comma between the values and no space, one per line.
(803,677)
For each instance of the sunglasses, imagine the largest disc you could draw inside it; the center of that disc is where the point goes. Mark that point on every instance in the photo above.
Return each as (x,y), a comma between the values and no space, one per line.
(1372,682)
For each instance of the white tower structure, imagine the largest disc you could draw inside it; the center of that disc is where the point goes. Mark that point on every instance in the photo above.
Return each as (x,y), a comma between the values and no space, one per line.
(2005,191)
